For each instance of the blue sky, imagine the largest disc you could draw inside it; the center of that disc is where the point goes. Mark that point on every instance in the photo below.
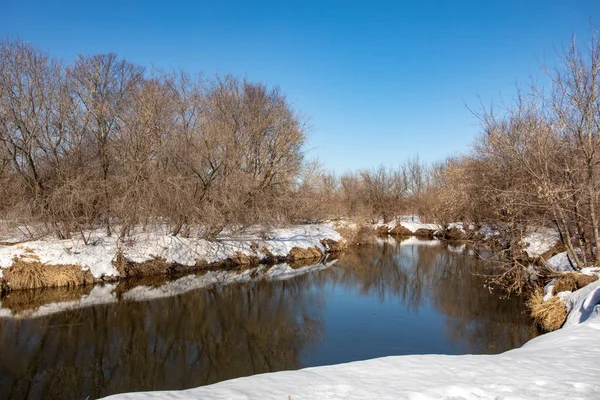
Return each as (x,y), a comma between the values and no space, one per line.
(381,81)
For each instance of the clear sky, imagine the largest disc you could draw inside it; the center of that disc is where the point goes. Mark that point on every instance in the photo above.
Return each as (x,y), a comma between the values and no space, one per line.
(380,81)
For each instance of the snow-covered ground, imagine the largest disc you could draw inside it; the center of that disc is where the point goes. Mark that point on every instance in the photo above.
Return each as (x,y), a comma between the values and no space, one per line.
(558,365)
(144,246)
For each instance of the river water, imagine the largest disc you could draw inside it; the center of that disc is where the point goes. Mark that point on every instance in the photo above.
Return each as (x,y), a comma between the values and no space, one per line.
(392,298)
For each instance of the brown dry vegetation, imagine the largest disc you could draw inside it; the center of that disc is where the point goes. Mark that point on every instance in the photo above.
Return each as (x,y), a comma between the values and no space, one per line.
(33,275)
(572,282)
(298,253)
(551,314)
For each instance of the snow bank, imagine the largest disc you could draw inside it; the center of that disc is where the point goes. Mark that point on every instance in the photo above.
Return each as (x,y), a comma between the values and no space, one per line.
(558,365)
(583,304)
(411,222)
(144,246)
(560,262)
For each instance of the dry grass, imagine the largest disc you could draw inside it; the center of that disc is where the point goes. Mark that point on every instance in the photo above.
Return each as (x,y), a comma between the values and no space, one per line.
(572,281)
(551,314)
(399,230)
(334,246)
(34,275)
(360,236)
(297,253)
(424,233)
(157,266)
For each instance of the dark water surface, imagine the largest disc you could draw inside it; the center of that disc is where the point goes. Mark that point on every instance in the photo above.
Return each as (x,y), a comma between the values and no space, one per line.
(380,300)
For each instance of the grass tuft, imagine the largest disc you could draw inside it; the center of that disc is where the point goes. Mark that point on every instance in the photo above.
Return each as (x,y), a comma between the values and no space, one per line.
(32,274)
(572,281)
(551,314)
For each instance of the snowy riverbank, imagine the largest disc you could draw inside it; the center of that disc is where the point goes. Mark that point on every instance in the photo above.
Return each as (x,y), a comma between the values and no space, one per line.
(150,251)
(557,365)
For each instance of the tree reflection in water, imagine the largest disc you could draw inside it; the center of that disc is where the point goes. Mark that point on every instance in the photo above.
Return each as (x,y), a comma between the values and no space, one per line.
(222,332)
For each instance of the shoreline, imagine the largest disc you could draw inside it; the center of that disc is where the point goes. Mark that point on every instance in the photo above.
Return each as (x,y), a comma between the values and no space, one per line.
(50,263)
(72,263)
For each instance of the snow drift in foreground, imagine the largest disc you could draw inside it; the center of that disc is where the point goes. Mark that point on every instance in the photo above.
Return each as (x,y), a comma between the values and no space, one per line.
(144,246)
(558,365)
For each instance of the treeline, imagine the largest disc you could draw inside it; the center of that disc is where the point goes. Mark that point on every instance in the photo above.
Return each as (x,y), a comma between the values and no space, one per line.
(101,142)
(535,163)
(538,162)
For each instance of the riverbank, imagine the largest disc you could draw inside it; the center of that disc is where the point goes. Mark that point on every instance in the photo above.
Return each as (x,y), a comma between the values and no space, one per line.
(558,365)
(95,258)
(51,262)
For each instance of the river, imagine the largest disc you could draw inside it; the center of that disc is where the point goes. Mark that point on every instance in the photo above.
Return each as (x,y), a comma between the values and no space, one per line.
(392,298)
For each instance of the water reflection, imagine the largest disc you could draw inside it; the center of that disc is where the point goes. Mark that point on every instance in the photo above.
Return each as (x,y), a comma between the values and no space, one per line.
(389,298)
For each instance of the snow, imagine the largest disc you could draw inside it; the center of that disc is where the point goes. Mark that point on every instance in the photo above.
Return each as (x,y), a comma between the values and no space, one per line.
(560,262)
(583,304)
(540,241)
(411,222)
(144,246)
(487,231)
(558,365)
(457,225)
(415,226)
(98,257)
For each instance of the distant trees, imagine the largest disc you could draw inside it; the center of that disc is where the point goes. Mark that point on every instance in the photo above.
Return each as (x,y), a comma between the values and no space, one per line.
(537,163)
(103,142)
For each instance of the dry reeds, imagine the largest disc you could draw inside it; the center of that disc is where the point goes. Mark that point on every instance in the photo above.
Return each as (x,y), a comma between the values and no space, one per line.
(572,281)
(551,314)
(33,275)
